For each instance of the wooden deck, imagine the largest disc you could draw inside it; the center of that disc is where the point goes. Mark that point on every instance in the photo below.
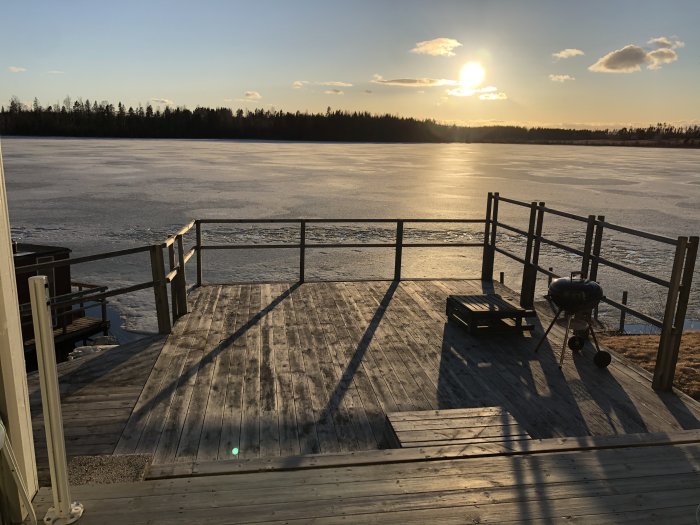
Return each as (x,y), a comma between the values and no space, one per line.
(642,484)
(286,370)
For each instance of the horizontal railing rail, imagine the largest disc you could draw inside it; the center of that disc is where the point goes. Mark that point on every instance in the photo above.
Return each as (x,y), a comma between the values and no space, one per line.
(80,260)
(336,221)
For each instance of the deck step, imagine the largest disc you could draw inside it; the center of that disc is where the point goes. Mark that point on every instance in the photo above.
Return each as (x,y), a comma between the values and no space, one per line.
(460,426)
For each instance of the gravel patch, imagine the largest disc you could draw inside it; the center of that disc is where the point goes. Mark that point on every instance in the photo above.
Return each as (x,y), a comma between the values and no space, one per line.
(98,470)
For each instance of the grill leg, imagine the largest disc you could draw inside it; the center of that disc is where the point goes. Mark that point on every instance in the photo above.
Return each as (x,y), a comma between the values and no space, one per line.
(566,339)
(595,339)
(547,331)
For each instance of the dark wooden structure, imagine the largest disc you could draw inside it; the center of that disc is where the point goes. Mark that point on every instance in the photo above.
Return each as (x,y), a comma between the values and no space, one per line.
(59,278)
(71,323)
(487,310)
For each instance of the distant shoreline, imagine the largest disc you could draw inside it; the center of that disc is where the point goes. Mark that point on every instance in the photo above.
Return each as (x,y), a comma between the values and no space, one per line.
(665,143)
(105,120)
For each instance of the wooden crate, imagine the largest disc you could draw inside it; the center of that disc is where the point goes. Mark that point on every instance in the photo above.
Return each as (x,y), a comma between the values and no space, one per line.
(490,310)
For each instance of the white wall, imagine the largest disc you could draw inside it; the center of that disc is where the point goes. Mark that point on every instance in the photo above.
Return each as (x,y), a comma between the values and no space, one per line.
(14,400)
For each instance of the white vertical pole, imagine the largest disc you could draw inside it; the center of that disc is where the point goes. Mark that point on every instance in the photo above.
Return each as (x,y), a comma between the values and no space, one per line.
(14,397)
(63,511)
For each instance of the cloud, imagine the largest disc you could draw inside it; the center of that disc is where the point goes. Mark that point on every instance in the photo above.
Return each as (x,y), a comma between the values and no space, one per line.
(663,41)
(660,56)
(165,101)
(414,82)
(560,78)
(333,92)
(335,84)
(16,69)
(252,95)
(567,53)
(625,60)
(55,72)
(298,84)
(437,47)
(631,57)
(493,96)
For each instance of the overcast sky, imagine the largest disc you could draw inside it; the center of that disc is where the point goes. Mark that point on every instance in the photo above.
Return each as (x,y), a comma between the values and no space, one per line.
(583,63)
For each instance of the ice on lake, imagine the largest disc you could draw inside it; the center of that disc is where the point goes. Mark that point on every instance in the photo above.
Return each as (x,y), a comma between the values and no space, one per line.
(95,195)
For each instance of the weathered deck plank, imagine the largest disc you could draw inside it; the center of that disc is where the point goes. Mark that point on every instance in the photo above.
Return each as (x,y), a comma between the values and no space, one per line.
(234,345)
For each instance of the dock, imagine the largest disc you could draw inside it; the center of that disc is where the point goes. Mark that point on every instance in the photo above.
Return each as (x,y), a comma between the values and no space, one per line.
(297,401)
(296,375)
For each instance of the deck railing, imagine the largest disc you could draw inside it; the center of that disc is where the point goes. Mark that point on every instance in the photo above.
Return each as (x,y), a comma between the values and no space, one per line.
(678,285)
(158,283)
(303,245)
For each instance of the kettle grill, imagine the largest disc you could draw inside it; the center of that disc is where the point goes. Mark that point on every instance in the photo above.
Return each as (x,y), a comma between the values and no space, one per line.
(575,298)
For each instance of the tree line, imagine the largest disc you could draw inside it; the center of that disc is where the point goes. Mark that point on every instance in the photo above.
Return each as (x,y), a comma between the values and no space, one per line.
(92,119)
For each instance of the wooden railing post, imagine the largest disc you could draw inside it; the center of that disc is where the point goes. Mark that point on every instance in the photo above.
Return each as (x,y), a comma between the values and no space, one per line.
(489,237)
(302,250)
(199,252)
(661,380)
(527,288)
(623,314)
(160,289)
(587,246)
(399,250)
(597,243)
(674,314)
(173,294)
(181,288)
(103,308)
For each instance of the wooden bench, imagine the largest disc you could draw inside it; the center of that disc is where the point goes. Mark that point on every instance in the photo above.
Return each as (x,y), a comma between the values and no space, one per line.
(460,426)
(490,310)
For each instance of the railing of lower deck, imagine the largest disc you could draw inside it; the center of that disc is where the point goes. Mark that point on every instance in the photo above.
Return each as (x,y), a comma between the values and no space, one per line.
(677,286)
(100,294)
(62,306)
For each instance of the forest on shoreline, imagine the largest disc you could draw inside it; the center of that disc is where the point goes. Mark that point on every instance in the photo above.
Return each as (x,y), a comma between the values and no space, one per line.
(93,119)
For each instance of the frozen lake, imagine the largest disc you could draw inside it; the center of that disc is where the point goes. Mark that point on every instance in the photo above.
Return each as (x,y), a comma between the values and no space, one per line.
(96,195)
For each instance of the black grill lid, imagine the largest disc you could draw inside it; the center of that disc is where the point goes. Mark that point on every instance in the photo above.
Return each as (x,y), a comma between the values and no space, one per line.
(574,295)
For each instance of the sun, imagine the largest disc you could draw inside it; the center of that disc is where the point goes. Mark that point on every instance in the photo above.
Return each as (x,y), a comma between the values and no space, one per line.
(471,75)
